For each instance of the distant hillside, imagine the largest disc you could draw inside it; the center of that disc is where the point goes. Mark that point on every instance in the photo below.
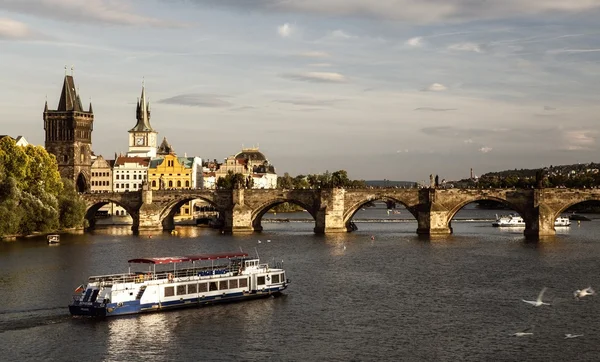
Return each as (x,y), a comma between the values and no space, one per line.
(577,168)
(388,183)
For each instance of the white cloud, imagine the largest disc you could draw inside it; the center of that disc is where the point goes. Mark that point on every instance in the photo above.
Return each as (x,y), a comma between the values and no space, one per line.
(467,47)
(12,29)
(468,141)
(415,42)
(485,149)
(284,30)
(340,34)
(435,87)
(320,65)
(415,11)
(102,11)
(314,54)
(197,100)
(319,77)
(580,139)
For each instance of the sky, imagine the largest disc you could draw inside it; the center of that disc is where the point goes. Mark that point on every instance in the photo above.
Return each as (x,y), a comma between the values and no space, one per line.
(385,89)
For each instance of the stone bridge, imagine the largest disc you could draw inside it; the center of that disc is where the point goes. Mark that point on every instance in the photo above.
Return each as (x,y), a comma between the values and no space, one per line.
(241,210)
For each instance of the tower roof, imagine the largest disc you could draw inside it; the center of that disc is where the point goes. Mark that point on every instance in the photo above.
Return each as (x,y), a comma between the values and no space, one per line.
(69,100)
(143,114)
(165,148)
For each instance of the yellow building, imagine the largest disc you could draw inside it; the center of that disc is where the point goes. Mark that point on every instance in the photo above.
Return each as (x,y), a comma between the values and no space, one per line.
(170,172)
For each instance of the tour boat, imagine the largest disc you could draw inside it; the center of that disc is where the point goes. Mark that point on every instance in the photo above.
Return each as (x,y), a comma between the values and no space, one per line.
(182,281)
(53,238)
(512,220)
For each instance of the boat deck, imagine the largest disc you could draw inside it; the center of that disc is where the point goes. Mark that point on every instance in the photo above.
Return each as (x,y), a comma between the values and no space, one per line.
(140,277)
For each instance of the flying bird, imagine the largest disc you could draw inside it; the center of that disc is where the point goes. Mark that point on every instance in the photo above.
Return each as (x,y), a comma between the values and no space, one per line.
(582,293)
(569,335)
(523,333)
(538,302)
(259,241)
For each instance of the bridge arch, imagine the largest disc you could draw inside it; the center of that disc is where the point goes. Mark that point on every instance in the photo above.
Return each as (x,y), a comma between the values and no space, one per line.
(261,210)
(483,197)
(92,208)
(588,199)
(350,211)
(167,214)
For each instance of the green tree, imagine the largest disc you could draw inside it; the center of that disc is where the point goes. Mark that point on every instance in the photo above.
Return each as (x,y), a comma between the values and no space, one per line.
(72,206)
(285,182)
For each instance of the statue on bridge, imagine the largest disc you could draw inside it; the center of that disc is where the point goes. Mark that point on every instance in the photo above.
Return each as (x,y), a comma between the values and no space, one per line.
(431,184)
(540,176)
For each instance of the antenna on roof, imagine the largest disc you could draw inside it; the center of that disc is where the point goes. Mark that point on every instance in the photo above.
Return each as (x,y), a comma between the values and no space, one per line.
(143,81)
(65,69)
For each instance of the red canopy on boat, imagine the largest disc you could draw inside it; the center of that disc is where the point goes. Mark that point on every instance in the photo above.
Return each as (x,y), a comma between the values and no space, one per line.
(181,259)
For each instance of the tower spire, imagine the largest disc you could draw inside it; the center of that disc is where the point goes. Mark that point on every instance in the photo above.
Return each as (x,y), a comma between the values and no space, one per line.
(143,112)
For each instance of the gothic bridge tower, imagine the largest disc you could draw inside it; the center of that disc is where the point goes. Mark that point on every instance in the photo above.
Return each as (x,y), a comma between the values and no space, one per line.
(69,135)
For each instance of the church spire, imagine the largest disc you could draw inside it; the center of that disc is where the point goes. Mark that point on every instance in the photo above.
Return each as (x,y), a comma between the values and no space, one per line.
(143,113)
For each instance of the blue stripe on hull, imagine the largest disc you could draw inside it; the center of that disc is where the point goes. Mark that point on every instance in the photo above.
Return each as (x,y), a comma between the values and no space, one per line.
(134,307)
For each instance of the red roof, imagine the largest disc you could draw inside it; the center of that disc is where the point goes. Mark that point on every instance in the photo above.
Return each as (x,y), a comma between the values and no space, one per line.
(181,259)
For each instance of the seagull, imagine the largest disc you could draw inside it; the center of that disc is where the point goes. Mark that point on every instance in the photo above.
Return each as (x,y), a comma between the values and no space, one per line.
(569,335)
(523,333)
(268,240)
(538,302)
(582,293)
(259,241)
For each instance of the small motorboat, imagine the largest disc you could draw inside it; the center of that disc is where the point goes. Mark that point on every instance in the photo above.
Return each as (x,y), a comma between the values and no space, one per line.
(53,238)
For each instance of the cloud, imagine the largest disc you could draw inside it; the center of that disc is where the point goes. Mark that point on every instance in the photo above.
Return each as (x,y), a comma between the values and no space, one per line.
(14,30)
(197,100)
(485,149)
(340,34)
(318,77)
(284,30)
(580,139)
(467,47)
(309,101)
(548,108)
(415,42)
(468,141)
(314,54)
(573,51)
(99,11)
(435,87)
(413,11)
(432,109)
(320,65)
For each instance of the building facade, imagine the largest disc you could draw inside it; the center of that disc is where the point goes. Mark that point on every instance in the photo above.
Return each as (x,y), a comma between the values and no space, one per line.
(102,181)
(128,175)
(251,163)
(69,136)
(170,172)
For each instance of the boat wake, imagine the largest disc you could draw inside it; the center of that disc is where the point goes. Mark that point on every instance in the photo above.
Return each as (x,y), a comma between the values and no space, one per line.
(25,319)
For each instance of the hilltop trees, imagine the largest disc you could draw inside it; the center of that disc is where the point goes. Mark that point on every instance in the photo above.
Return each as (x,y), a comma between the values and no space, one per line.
(315,181)
(33,198)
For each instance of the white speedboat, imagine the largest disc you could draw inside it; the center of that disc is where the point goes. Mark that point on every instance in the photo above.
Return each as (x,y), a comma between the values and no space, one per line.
(182,281)
(512,220)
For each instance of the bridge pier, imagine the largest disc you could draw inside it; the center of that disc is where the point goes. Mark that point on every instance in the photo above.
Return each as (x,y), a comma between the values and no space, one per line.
(330,215)
(539,222)
(433,223)
(238,218)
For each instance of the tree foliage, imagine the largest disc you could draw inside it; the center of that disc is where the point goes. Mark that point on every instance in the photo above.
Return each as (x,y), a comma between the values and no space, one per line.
(315,181)
(232,181)
(33,198)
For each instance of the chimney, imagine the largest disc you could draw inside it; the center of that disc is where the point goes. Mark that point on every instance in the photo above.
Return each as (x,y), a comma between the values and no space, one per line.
(471,172)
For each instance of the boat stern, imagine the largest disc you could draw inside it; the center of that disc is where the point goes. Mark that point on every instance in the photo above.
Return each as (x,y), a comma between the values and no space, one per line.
(87,309)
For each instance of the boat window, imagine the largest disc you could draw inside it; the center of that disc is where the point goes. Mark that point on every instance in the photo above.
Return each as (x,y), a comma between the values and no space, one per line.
(169,291)
(233,284)
(181,290)
(213,286)
(243,282)
(275,278)
(202,288)
(223,285)
(192,288)
(260,280)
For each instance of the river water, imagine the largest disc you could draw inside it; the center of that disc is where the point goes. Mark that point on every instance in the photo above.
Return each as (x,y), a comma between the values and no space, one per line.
(399,297)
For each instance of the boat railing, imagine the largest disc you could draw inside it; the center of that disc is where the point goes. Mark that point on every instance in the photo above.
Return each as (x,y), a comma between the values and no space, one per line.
(141,277)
